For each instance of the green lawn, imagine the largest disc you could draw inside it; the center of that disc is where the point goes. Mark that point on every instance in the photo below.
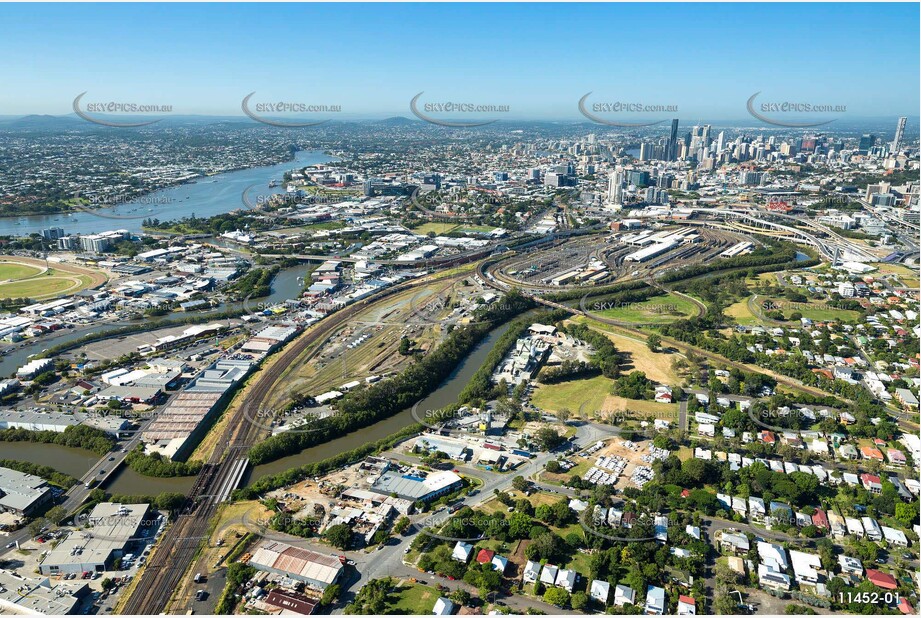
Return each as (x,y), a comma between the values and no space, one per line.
(435,226)
(40,287)
(412,599)
(658,310)
(10,271)
(588,394)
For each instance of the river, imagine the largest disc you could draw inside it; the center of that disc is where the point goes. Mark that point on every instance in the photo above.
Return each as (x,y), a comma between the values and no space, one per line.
(204,197)
(445,395)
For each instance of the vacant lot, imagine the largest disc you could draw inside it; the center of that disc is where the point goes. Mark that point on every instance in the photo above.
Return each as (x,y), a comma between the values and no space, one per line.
(573,395)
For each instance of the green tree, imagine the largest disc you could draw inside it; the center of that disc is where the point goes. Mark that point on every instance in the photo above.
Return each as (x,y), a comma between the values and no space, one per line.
(653,342)
(339,536)
(56,514)
(330,595)
(579,601)
(556,596)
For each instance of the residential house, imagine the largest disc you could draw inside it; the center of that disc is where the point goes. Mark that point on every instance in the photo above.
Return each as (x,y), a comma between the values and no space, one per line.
(806,567)
(838,525)
(852,567)
(820,519)
(655,600)
(735,542)
(847,451)
(443,607)
(871,528)
(462,552)
(548,575)
(854,526)
(687,606)
(531,572)
(623,595)
(895,537)
(871,483)
(882,580)
(600,591)
(566,578)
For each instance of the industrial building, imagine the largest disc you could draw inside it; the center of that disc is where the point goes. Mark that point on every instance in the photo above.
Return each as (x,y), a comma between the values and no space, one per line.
(417,488)
(112,528)
(39,595)
(312,569)
(21,493)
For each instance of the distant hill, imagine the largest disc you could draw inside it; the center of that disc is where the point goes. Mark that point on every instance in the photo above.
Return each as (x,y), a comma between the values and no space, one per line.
(397,121)
(42,121)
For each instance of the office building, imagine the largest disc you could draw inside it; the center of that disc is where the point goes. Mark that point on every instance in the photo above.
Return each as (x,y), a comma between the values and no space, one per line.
(899,133)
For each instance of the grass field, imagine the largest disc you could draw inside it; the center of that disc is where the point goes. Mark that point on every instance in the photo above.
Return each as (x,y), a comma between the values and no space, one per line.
(907,275)
(10,271)
(575,394)
(50,284)
(742,314)
(640,408)
(437,227)
(412,599)
(659,310)
(656,365)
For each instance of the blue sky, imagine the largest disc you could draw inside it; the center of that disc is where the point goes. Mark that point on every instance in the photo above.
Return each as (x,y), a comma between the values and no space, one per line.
(537,58)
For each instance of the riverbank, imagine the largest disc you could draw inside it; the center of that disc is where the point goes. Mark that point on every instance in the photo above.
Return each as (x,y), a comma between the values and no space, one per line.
(204,197)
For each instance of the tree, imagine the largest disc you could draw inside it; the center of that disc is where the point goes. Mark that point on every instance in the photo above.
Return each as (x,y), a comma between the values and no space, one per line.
(36,525)
(56,514)
(401,525)
(725,604)
(556,596)
(330,595)
(549,438)
(107,583)
(653,341)
(460,596)
(339,536)
(519,483)
(579,600)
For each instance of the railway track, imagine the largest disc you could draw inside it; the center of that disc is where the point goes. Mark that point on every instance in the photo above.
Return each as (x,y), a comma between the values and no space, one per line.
(179,545)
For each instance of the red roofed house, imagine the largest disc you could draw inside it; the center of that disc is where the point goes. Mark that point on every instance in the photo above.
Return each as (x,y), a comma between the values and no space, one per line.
(685,493)
(768,437)
(485,556)
(871,483)
(905,607)
(686,606)
(868,452)
(883,580)
(820,519)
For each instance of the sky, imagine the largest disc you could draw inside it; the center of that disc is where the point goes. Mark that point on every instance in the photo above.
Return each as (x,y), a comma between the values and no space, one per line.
(538,59)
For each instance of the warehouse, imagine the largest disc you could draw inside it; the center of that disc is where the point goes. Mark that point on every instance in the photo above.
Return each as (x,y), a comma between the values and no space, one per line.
(19,595)
(21,493)
(113,527)
(417,488)
(315,570)
(650,252)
